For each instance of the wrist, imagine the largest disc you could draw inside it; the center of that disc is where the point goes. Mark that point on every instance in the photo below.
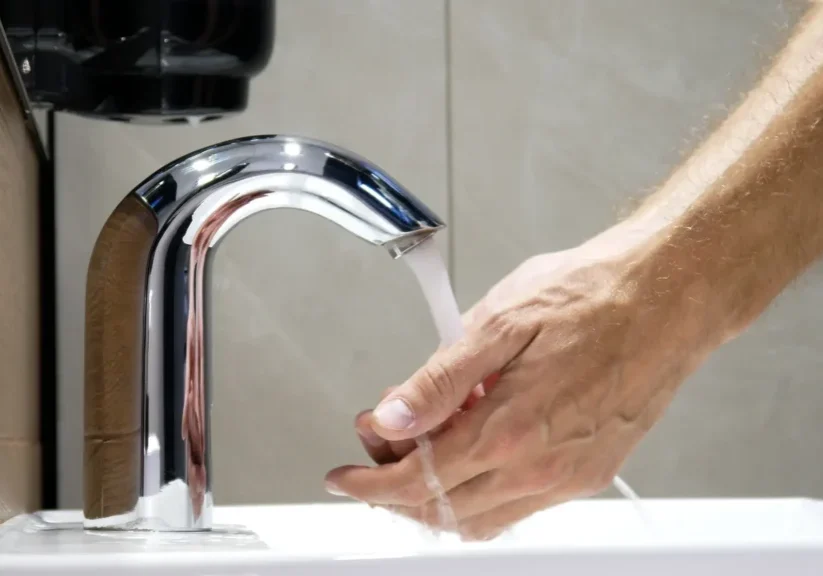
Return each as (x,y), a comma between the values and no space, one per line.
(671,296)
(713,297)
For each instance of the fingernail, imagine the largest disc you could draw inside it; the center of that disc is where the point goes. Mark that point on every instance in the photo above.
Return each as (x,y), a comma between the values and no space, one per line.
(394,414)
(332,489)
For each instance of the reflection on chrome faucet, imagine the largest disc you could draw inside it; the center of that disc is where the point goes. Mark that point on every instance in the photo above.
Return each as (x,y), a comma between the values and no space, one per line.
(147,461)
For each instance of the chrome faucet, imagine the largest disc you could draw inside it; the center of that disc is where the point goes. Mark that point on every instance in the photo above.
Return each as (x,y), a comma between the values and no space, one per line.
(147,460)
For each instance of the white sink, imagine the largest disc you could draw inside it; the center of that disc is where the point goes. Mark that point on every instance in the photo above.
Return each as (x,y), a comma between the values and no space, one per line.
(586,538)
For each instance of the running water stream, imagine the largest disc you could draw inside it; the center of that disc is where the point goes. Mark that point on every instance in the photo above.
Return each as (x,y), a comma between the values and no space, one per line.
(430,270)
(428,267)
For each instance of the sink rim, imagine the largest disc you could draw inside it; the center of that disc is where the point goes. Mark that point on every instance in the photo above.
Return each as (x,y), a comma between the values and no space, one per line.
(789,526)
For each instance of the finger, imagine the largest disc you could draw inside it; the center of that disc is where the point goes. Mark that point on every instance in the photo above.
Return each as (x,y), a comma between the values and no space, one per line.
(477,314)
(405,482)
(491,524)
(473,315)
(438,389)
(474,396)
(387,391)
(476,496)
(497,487)
(490,382)
(381,451)
(378,449)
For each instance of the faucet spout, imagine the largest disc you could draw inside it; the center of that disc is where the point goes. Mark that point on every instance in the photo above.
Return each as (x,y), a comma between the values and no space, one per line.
(147,459)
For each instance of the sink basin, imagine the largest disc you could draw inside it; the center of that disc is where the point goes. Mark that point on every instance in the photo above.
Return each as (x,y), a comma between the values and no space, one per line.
(592,537)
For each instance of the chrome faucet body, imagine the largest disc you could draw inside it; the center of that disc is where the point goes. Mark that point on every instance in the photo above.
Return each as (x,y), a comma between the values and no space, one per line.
(147,460)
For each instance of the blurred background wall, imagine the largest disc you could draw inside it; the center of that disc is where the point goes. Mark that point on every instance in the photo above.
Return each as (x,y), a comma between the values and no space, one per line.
(526,124)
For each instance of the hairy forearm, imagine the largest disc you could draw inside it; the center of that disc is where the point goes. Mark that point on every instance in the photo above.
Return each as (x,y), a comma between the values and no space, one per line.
(743,216)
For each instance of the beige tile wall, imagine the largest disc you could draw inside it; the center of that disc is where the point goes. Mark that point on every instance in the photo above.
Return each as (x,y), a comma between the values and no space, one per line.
(525,123)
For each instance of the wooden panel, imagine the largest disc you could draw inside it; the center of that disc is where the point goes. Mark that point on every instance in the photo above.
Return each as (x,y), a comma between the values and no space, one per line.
(115,294)
(19,309)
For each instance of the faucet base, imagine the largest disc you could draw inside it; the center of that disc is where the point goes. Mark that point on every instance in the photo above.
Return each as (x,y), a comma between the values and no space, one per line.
(169,510)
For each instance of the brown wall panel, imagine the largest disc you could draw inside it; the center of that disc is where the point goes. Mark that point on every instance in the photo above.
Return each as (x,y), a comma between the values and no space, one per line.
(20,456)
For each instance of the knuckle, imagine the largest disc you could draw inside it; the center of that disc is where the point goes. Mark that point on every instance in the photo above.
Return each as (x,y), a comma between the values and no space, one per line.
(511,326)
(440,382)
(499,323)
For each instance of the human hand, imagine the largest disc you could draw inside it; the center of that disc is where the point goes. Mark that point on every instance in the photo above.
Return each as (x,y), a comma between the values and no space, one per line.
(589,356)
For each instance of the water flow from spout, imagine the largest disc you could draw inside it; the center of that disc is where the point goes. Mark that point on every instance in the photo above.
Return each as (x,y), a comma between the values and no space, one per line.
(428,267)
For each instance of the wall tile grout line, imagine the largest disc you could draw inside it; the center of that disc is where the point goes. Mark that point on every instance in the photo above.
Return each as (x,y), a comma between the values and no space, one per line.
(450,201)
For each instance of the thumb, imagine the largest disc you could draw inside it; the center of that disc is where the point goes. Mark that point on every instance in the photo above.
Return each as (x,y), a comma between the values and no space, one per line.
(441,386)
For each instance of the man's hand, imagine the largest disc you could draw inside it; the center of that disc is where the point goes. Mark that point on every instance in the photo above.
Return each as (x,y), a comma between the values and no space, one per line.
(591,344)
(583,376)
